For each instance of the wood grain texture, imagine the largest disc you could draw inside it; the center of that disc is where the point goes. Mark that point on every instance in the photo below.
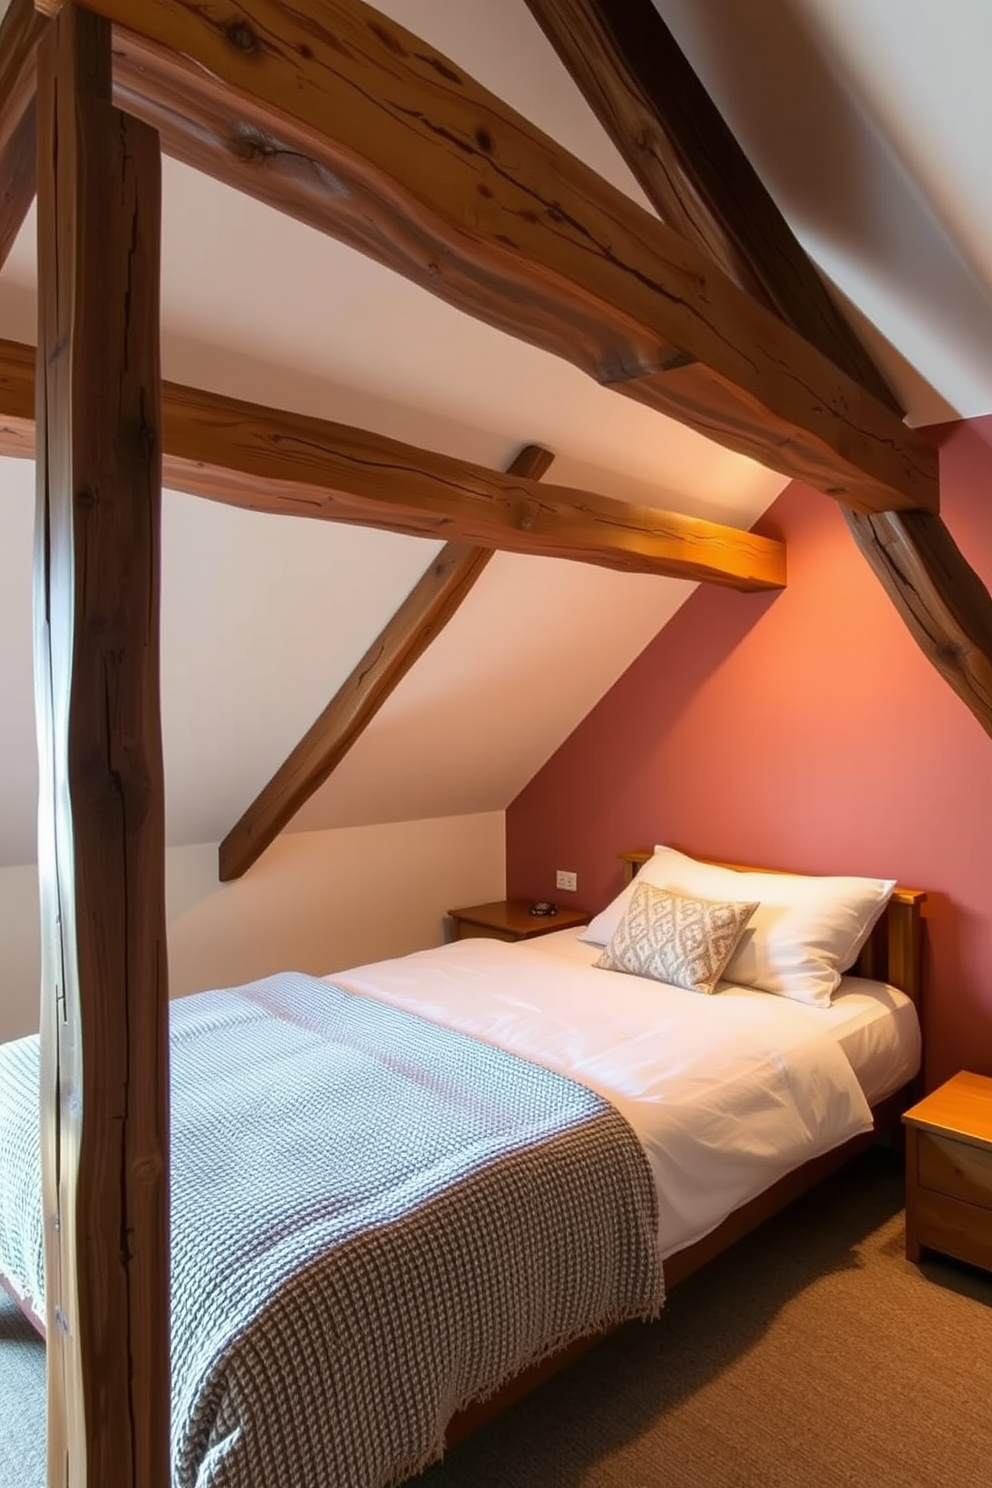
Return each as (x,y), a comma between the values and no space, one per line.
(17,408)
(335,114)
(949,1171)
(646,95)
(940,597)
(282,462)
(268,460)
(962,1169)
(424,613)
(101,849)
(953,1227)
(17,180)
(961,1106)
(21,29)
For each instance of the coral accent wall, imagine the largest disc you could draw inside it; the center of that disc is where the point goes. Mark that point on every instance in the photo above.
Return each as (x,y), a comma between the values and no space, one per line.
(804,730)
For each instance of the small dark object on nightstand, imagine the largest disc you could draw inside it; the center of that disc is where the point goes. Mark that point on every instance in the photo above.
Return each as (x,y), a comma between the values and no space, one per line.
(543,907)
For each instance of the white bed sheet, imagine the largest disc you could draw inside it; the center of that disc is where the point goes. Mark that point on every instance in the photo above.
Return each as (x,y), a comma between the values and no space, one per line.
(876,1025)
(726,1093)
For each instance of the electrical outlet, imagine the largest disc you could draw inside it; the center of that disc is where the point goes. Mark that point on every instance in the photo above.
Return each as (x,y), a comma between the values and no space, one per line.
(566,880)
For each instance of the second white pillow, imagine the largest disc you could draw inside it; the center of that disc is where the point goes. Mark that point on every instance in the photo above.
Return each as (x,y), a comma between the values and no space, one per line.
(806,931)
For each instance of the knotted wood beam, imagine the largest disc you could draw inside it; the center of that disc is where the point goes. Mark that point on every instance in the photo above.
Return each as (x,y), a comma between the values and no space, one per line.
(646,95)
(17,400)
(337,115)
(101,841)
(266,459)
(423,615)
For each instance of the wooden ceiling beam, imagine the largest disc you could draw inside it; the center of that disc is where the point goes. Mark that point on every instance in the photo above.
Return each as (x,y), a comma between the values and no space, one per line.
(17,405)
(640,85)
(264,459)
(338,116)
(21,29)
(422,616)
(672,136)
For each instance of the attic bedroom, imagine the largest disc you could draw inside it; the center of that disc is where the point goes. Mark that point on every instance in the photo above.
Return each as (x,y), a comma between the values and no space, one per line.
(783,711)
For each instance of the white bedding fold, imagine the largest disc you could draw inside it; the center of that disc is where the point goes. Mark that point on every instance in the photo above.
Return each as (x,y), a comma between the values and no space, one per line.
(725,1093)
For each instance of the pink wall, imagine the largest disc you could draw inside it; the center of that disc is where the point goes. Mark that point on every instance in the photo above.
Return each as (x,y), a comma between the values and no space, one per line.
(803,730)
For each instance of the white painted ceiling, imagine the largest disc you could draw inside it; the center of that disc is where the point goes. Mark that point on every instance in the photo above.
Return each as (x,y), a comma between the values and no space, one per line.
(868,120)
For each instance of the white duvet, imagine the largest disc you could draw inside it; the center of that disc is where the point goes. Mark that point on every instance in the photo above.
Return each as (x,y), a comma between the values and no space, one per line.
(725,1093)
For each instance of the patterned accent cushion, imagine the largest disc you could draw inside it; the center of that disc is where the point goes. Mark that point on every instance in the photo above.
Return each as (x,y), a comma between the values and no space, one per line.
(672,938)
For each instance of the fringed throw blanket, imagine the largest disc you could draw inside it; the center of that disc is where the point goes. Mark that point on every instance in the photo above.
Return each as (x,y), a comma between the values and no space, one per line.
(374,1220)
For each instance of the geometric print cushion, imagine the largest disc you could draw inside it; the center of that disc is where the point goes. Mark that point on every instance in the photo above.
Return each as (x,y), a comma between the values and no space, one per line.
(673,938)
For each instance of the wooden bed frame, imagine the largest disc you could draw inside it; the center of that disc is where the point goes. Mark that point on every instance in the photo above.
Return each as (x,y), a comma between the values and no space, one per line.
(893,954)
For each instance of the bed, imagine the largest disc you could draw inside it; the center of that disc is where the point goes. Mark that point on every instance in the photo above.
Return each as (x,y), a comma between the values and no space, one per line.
(609,1133)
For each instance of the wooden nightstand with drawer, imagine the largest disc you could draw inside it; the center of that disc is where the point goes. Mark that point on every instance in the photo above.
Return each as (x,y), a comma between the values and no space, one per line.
(949,1171)
(511,919)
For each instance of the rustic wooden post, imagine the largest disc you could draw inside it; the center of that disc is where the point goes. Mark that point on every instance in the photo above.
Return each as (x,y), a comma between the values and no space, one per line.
(101,837)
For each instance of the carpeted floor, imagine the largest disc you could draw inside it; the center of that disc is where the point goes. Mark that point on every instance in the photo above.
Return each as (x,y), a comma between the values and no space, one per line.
(812,1356)
(22,1401)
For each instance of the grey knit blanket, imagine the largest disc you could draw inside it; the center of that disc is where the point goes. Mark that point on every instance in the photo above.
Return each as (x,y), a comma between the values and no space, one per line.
(374,1221)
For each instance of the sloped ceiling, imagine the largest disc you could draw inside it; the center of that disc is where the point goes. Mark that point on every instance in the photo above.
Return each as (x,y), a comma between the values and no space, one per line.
(866,122)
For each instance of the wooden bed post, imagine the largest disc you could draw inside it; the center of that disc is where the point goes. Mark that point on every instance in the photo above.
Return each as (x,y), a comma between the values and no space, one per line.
(101,856)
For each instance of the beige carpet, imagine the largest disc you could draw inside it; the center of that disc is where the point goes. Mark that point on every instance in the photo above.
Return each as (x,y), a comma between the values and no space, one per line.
(813,1356)
(22,1401)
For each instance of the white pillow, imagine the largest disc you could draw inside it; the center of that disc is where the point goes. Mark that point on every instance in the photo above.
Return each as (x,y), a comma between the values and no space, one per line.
(806,931)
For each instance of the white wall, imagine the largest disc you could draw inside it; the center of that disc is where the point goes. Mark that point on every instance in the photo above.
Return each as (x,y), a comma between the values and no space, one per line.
(316,902)
(19,957)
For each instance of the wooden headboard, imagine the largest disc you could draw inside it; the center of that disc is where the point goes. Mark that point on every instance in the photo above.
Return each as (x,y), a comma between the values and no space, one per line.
(894,952)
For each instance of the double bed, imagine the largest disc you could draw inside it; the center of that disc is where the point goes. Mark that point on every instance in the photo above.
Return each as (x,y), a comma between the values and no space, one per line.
(350,1290)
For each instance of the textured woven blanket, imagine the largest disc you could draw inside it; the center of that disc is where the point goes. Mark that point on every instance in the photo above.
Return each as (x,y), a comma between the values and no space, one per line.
(374,1220)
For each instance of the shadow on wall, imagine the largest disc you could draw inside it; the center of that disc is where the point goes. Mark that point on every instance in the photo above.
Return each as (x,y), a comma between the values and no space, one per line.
(321,901)
(594,798)
(843,186)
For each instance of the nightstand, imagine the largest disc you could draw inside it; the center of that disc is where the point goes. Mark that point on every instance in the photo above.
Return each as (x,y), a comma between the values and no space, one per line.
(949,1171)
(511,919)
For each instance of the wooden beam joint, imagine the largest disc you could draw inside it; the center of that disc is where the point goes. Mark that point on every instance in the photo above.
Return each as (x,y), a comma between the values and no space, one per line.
(267,460)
